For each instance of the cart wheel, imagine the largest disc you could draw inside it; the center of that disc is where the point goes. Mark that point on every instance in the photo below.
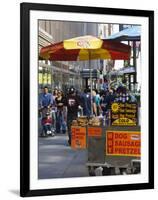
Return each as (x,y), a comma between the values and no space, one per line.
(112,171)
(123,171)
(108,171)
(91,171)
(136,170)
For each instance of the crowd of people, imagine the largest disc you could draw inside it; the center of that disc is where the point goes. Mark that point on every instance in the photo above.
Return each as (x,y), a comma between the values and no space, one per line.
(57,110)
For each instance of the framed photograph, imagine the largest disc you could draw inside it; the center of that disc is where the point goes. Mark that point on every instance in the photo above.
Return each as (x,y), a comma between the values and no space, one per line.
(87,99)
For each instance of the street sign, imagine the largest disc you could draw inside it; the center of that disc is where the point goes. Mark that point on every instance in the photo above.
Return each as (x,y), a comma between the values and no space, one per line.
(85,73)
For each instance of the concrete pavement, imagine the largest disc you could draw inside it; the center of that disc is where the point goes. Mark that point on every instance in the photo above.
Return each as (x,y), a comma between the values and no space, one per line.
(58,160)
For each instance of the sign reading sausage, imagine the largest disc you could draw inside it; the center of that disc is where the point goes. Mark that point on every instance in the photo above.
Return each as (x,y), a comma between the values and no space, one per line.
(123,143)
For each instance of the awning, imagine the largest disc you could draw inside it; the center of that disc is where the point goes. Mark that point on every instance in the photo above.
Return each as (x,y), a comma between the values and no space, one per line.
(125,70)
(128,34)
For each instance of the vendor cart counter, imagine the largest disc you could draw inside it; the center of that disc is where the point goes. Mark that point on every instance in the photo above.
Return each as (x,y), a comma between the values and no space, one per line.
(112,146)
(115,147)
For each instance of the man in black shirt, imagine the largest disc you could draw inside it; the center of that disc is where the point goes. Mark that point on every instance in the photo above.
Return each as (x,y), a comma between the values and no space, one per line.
(72,103)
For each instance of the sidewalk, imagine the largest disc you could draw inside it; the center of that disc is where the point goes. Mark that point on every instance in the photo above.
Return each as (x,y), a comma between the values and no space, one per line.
(58,160)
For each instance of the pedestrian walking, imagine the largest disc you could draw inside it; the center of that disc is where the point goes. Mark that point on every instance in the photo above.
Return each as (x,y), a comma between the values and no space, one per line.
(45,98)
(72,103)
(86,102)
(54,109)
(60,123)
(55,94)
(45,104)
(97,101)
(94,105)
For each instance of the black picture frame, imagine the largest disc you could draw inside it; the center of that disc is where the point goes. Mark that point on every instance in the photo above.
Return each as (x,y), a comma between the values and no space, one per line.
(25,137)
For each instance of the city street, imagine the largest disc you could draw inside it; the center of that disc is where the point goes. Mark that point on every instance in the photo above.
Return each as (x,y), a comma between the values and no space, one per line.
(58,160)
(104,90)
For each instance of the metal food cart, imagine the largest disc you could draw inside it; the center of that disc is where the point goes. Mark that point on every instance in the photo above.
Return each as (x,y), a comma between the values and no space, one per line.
(108,153)
(112,148)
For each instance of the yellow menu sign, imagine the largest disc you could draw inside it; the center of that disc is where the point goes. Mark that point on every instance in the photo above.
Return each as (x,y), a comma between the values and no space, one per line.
(124,114)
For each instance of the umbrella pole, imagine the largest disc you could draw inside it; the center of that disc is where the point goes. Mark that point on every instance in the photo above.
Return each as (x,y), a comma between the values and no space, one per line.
(90,68)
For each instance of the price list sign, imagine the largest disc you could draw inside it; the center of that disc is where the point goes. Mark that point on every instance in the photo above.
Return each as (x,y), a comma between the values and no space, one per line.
(123,143)
(78,138)
(94,131)
(124,114)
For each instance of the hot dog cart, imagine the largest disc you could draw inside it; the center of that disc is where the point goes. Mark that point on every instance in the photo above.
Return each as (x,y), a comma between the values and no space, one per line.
(112,148)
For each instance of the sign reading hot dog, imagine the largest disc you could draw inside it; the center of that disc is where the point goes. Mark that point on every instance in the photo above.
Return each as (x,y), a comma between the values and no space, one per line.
(123,143)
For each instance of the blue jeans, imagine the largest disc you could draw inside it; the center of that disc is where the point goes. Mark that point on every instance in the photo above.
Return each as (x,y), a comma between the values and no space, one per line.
(60,124)
(54,120)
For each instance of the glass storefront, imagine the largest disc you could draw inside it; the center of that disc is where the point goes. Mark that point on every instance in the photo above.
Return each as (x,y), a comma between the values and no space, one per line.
(55,77)
(44,77)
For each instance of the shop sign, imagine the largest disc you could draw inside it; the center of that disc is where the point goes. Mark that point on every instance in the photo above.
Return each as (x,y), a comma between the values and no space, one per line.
(123,143)
(124,114)
(78,137)
(94,131)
